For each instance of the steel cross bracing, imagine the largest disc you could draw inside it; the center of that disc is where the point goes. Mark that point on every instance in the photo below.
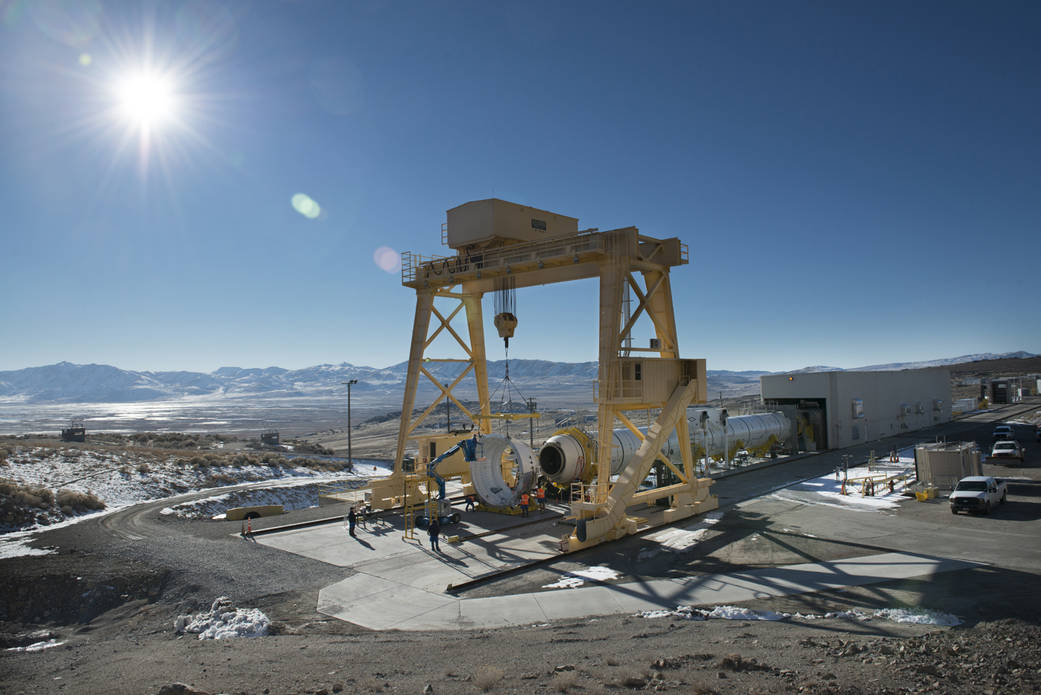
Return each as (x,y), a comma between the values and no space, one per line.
(475,361)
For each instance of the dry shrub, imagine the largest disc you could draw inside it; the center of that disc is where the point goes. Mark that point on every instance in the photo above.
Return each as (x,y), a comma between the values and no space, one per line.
(194,462)
(27,495)
(488,677)
(73,501)
(219,479)
(143,468)
(240,460)
(19,504)
(736,662)
(317,464)
(270,459)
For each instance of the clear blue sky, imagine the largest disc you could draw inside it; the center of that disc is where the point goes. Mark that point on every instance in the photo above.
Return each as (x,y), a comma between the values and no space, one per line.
(858,182)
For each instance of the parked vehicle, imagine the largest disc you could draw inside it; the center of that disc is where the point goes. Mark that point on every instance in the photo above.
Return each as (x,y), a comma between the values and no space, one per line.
(1002,432)
(978,494)
(1037,433)
(1007,449)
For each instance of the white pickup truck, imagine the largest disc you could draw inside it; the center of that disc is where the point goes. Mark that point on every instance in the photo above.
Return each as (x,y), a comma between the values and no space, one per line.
(978,493)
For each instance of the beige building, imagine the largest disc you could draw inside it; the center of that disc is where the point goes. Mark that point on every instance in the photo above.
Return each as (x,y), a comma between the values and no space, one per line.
(831,410)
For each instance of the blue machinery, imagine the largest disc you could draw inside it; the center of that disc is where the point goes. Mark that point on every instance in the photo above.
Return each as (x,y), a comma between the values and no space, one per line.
(445,515)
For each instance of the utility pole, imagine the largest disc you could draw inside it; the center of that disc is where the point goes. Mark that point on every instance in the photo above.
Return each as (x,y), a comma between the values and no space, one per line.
(350,452)
(531,422)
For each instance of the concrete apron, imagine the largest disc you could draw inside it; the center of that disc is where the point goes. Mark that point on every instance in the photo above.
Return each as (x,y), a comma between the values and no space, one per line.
(400,584)
(382,604)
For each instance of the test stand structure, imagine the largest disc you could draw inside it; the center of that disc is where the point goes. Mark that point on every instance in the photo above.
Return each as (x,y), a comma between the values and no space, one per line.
(500,244)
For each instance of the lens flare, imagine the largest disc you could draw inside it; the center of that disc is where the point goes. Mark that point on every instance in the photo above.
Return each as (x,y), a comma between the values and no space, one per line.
(387,259)
(306,206)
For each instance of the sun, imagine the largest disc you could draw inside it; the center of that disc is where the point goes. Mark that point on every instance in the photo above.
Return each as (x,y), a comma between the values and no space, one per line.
(146,98)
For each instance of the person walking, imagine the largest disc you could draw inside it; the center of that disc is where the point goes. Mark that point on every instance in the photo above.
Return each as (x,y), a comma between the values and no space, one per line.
(540,495)
(525,498)
(352,521)
(469,503)
(434,529)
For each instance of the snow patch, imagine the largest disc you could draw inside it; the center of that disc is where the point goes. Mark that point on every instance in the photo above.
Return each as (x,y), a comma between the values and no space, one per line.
(678,539)
(922,616)
(576,578)
(827,490)
(735,613)
(17,545)
(223,621)
(37,646)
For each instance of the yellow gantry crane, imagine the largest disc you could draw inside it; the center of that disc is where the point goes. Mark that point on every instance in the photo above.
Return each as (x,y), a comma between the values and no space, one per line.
(499,244)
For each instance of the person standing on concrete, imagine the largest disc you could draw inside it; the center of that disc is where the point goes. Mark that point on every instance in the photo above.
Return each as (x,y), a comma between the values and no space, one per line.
(525,498)
(434,530)
(352,521)
(540,495)
(469,503)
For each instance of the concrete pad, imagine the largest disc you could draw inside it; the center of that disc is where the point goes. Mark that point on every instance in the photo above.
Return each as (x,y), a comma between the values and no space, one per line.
(378,603)
(400,584)
(490,612)
(381,604)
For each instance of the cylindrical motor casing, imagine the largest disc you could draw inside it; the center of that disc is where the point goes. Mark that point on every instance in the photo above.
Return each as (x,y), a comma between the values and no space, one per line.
(566,455)
(563,457)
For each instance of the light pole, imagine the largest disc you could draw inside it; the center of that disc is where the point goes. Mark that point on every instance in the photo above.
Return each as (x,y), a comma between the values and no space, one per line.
(350,452)
(531,422)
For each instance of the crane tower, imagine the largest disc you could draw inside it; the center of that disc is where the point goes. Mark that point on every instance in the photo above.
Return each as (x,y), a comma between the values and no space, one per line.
(496,241)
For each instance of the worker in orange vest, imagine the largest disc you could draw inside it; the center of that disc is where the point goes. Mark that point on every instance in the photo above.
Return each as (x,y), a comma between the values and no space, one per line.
(524,504)
(540,495)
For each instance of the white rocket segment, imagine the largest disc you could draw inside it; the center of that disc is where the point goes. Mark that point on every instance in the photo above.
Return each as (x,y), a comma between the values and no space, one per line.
(487,471)
(563,458)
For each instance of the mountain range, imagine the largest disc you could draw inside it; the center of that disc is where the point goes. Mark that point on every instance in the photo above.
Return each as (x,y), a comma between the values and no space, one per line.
(65,382)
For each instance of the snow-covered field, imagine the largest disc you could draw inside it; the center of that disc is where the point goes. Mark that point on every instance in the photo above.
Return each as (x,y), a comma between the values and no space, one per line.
(292,494)
(121,479)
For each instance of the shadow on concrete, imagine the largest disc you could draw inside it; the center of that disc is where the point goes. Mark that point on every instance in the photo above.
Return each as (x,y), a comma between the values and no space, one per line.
(978,594)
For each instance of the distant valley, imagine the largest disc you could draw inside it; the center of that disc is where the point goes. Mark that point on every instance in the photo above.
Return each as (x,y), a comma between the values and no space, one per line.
(97,383)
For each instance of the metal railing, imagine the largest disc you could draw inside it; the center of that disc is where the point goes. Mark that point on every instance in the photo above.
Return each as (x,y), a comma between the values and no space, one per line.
(414,266)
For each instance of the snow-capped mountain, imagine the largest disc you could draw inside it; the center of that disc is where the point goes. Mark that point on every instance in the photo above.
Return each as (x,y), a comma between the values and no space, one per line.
(99,383)
(943,362)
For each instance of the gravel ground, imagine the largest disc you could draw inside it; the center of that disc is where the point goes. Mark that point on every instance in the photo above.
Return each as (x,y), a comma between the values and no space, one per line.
(110,595)
(111,602)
